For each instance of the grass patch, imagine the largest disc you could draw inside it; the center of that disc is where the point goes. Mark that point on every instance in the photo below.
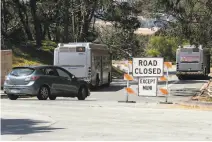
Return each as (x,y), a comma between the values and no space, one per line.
(190,107)
(21,61)
(203,98)
(26,57)
(29,55)
(117,72)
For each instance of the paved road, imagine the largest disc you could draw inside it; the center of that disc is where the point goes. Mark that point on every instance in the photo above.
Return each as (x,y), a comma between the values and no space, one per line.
(66,119)
(179,90)
(101,117)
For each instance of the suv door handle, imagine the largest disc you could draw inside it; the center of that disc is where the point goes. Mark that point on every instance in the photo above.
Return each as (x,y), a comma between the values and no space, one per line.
(67,78)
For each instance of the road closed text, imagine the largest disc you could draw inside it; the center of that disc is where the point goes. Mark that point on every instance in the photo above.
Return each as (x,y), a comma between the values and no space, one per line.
(148,71)
(148,67)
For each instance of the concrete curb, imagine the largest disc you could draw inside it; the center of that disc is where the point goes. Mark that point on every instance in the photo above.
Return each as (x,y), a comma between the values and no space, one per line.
(5,96)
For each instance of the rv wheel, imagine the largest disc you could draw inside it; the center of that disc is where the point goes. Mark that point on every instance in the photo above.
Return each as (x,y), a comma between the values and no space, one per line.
(180,77)
(109,80)
(205,74)
(97,81)
(205,71)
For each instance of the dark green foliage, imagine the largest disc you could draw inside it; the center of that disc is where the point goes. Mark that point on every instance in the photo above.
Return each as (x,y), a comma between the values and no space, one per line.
(120,35)
(164,46)
(194,20)
(35,23)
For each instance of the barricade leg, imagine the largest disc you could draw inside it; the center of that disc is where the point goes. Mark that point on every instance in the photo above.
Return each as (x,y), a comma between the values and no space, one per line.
(128,89)
(166,91)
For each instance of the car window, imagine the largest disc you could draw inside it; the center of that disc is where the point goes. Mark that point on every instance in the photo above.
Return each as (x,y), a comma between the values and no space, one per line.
(49,71)
(22,71)
(63,73)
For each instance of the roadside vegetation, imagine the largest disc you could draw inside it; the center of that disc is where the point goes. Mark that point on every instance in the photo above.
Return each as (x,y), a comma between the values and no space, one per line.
(33,28)
(202,98)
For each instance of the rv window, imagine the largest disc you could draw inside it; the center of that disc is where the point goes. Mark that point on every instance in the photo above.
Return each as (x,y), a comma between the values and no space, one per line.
(80,49)
(195,50)
(185,50)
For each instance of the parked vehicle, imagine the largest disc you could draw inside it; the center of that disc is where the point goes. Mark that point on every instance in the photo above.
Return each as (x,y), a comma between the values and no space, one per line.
(44,82)
(192,61)
(88,61)
(6,64)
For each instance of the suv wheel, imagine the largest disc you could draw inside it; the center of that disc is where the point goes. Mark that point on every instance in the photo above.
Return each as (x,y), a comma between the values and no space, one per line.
(44,93)
(109,80)
(83,93)
(97,81)
(52,97)
(12,97)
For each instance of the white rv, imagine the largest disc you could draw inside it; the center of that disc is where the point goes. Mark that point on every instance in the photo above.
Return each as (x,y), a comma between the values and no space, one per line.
(88,61)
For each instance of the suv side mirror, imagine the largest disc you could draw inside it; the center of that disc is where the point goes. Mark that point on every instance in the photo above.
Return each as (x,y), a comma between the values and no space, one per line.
(73,78)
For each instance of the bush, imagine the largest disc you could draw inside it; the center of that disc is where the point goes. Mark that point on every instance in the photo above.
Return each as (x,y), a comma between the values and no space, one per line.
(163,46)
(48,45)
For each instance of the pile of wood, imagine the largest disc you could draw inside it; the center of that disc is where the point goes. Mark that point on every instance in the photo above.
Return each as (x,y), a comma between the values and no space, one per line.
(205,94)
(209,88)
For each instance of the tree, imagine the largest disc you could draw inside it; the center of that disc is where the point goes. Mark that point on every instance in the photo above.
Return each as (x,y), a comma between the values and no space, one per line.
(163,46)
(120,35)
(24,17)
(36,22)
(194,19)
(11,30)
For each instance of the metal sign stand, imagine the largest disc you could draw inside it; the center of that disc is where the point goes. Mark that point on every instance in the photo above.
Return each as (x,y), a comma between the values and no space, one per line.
(127,95)
(167,88)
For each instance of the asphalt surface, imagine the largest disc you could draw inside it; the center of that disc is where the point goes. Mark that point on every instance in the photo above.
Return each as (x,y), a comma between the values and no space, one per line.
(179,91)
(102,117)
(64,119)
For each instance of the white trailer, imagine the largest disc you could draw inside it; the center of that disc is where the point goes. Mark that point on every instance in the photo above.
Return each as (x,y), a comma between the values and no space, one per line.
(88,61)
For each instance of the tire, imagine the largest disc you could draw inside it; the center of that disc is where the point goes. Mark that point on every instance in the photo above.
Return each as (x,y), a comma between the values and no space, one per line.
(44,93)
(52,97)
(205,72)
(83,93)
(12,97)
(180,77)
(108,84)
(97,81)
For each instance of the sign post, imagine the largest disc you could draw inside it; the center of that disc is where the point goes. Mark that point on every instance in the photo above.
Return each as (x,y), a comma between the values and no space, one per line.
(166,91)
(128,71)
(128,90)
(167,81)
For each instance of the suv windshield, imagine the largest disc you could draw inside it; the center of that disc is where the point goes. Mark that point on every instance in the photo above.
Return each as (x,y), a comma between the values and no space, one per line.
(22,71)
